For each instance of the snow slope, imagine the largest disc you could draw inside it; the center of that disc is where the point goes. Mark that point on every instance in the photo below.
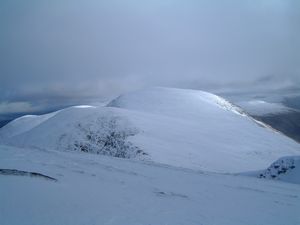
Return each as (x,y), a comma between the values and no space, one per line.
(93,189)
(184,128)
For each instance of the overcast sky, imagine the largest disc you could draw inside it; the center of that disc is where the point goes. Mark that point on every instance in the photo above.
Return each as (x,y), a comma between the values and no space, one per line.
(61,52)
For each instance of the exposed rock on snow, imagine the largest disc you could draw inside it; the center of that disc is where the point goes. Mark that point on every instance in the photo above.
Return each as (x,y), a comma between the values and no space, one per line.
(106,136)
(14,172)
(285,169)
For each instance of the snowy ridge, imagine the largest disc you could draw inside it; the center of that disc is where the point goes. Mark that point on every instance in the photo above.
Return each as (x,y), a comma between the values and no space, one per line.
(173,102)
(184,128)
(23,124)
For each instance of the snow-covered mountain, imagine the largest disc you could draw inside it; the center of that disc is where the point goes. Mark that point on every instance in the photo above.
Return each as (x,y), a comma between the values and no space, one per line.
(168,147)
(184,128)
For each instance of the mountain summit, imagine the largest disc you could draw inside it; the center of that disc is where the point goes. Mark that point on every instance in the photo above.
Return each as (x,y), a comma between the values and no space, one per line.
(184,128)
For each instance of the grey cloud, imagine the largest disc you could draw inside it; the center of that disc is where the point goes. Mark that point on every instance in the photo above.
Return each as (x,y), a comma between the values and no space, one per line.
(80,51)
(17,107)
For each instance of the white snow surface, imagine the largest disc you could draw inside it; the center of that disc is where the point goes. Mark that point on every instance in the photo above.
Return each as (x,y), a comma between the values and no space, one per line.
(183,128)
(94,189)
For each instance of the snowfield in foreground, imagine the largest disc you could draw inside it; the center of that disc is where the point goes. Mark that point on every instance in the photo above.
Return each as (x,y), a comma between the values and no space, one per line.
(94,189)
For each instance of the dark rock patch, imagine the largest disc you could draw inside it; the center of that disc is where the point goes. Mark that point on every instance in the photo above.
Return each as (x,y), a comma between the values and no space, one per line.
(14,172)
